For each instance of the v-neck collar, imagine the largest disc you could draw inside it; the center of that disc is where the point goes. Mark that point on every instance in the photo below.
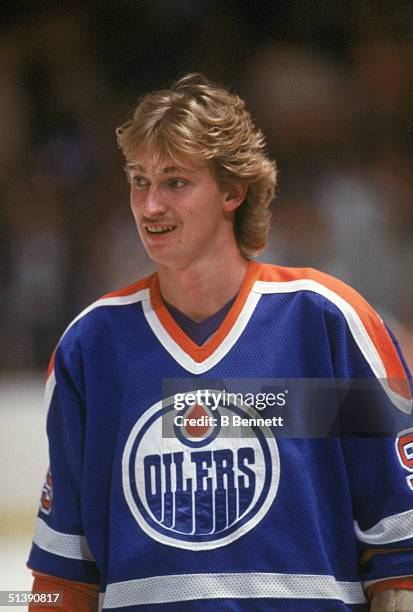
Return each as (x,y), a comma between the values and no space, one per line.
(199,359)
(200,331)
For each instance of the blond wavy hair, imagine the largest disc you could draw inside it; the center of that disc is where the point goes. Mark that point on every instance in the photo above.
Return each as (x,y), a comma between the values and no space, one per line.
(199,118)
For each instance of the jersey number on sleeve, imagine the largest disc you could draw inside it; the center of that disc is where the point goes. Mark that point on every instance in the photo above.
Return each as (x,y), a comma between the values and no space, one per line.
(404,450)
(46,498)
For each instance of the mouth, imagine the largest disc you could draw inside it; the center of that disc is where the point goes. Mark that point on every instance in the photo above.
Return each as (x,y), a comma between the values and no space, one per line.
(159,229)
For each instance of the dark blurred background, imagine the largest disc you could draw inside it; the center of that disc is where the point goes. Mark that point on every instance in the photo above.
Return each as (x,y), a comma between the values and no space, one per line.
(330,82)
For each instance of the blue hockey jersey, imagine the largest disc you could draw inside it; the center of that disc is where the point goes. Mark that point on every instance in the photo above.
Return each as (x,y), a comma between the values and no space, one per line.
(204,520)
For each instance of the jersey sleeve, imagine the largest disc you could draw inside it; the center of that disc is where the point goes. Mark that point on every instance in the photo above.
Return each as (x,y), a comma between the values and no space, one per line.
(60,546)
(377,444)
(383,509)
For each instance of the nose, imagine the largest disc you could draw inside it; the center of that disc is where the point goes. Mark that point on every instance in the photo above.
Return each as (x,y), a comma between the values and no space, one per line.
(154,204)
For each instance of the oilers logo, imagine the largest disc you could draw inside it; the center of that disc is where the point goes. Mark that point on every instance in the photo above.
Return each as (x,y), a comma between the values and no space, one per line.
(200,488)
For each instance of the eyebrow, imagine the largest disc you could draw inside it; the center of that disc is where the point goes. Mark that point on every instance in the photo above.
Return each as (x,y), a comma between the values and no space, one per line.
(167,170)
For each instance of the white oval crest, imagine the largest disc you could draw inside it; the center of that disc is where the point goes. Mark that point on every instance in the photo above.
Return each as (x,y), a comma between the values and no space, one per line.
(201,494)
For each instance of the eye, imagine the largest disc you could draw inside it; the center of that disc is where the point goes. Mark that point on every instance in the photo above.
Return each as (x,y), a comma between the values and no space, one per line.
(139,181)
(177,183)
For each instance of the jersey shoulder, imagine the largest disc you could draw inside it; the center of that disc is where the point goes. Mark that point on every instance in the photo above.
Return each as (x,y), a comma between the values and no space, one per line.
(286,279)
(90,317)
(348,301)
(363,322)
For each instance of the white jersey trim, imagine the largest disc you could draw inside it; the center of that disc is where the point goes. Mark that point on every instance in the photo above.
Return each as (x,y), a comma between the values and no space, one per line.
(120,300)
(49,389)
(180,356)
(353,320)
(123,300)
(248,585)
(61,544)
(358,331)
(395,528)
(186,360)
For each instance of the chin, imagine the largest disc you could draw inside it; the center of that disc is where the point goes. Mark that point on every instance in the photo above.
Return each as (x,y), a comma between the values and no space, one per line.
(161,259)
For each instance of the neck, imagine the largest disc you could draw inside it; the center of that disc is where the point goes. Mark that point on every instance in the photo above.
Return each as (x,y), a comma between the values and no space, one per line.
(200,290)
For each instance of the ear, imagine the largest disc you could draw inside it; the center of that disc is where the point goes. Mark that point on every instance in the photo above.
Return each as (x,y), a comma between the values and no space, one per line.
(234,196)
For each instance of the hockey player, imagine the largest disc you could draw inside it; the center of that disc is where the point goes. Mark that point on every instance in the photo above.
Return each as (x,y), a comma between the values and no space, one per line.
(200,520)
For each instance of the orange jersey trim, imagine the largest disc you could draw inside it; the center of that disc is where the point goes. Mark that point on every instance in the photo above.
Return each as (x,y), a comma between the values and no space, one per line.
(373,325)
(200,353)
(396,374)
(51,363)
(144,283)
(129,290)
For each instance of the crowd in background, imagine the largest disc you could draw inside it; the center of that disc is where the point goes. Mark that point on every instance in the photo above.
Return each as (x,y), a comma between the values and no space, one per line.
(329,82)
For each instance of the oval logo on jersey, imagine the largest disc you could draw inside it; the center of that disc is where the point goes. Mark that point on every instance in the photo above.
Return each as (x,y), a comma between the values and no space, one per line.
(200,488)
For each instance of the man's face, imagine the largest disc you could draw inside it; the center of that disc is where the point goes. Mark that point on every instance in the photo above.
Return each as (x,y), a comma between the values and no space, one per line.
(181,214)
